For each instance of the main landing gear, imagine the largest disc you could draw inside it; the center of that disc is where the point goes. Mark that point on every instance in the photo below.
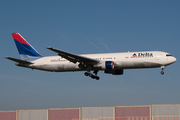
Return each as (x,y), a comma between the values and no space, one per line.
(91,75)
(162,68)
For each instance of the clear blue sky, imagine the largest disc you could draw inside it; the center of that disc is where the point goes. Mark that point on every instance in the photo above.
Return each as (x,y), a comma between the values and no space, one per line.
(82,27)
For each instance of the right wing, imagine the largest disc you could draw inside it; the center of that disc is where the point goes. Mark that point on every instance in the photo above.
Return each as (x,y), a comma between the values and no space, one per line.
(18,60)
(73,57)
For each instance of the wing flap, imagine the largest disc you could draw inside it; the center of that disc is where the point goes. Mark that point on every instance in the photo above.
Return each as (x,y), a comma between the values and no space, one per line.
(18,60)
(73,57)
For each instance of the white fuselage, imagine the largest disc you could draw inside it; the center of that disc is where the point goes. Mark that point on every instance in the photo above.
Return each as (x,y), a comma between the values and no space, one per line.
(126,60)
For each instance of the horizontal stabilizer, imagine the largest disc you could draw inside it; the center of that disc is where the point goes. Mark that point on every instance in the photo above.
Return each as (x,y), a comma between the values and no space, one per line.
(18,60)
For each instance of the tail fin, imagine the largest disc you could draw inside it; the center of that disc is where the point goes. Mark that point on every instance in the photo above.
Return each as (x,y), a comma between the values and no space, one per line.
(26,51)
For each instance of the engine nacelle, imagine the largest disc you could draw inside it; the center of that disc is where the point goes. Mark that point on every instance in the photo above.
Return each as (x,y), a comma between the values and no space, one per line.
(105,65)
(108,65)
(114,72)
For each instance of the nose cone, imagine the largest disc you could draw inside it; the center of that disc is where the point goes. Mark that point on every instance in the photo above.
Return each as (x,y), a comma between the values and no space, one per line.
(172,59)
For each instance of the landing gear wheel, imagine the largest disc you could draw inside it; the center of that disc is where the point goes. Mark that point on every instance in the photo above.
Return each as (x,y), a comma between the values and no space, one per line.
(97,78)
(91,75)
(162,73)
(86,74)
(162,68)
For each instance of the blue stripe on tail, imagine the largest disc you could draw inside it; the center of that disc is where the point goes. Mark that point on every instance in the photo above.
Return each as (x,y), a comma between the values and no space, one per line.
(25,49)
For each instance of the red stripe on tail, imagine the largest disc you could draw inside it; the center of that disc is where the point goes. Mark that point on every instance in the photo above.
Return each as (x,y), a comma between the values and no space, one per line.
(19,38)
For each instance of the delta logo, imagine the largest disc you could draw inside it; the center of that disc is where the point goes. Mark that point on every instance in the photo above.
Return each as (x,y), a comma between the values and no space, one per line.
(134,55)
(142,55)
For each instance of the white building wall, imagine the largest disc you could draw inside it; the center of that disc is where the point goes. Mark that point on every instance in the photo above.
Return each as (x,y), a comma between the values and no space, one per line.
(97,113)
(166,112)
(32,115)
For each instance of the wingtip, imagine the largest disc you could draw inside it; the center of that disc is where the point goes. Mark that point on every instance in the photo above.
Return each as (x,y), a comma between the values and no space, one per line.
(6,57)
(49,47)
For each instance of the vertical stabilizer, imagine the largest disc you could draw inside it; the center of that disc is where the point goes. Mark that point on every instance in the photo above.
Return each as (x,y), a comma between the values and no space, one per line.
(26,51)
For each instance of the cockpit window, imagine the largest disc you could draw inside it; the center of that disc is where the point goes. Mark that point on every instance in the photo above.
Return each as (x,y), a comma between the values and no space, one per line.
(168,55)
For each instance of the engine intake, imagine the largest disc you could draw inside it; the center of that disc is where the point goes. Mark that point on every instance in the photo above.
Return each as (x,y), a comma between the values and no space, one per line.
(105,65)
(109,64)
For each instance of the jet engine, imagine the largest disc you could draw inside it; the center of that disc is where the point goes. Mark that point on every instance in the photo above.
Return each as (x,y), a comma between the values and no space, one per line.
(105,65)
(114,72)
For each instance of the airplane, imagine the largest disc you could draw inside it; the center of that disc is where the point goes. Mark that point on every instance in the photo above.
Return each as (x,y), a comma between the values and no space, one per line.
(110,63)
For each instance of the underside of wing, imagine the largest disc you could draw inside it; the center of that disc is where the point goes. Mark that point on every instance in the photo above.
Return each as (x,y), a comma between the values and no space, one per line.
(73,57)
(18,60)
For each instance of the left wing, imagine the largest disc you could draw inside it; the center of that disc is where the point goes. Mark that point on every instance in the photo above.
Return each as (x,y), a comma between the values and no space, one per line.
(73,57)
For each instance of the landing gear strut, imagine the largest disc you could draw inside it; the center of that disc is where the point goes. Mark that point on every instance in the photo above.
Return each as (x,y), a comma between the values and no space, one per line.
(91,75)
(162,68)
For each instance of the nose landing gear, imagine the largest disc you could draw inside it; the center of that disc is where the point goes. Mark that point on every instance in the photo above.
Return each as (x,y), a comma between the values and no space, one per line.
(91,75)
(162,68)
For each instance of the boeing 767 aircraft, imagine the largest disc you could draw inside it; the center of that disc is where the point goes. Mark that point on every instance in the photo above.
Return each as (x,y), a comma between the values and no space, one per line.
(111,63)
